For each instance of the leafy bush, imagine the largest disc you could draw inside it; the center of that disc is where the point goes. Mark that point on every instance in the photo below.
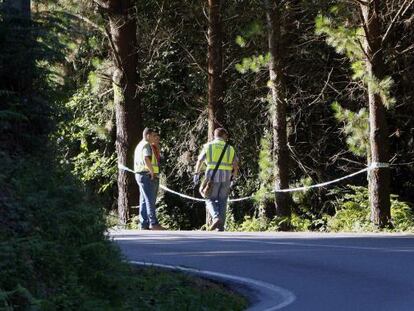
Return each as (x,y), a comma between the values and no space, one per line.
(53,251)
(85,143)
(253,224)
(353,213)
(54,254)
(256,224)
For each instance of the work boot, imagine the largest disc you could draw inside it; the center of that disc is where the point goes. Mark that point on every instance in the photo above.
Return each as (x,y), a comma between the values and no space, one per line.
(157,227)
(216,224)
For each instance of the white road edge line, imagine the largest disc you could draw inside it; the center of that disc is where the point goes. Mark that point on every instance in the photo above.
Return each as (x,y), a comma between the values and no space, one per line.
(287,297)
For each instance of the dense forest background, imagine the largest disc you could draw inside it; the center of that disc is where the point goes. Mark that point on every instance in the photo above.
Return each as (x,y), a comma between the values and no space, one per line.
(58,126)
(58,99)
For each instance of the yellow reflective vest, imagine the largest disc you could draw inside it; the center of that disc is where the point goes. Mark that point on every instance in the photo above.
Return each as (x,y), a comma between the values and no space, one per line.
(213,151)
(139,160)
(154,163)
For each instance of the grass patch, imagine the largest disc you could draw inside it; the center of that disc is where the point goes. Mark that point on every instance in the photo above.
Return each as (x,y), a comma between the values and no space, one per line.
(157,289)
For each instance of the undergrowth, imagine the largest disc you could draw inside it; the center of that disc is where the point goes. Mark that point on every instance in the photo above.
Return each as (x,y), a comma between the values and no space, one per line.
(54,254)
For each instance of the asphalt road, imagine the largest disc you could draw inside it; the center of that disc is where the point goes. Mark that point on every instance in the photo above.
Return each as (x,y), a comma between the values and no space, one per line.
(304,271)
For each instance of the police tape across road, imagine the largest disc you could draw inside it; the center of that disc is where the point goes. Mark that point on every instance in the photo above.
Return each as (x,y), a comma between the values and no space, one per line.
(374,165)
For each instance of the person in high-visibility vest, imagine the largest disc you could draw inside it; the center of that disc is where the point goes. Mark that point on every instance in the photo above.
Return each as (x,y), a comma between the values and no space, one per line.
(146,174)
(227,171)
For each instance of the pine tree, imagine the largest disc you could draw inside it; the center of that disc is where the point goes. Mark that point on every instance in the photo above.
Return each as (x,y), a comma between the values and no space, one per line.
(123,39)
(368,64)
(215,68)
(278,106)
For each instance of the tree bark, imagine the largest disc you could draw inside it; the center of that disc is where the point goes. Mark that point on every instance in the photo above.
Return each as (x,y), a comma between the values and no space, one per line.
(215,106)
(278,111)
(379,178)
(216,111)
(122,22)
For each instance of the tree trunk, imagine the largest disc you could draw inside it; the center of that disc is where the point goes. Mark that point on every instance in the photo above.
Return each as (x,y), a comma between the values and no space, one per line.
(278,111)
(215,69)
(18,14)
(379,178)
(123,29)
(215,74)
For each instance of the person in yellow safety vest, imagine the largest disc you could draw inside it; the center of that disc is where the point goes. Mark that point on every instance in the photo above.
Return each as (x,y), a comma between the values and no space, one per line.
(146,174)
(227,171)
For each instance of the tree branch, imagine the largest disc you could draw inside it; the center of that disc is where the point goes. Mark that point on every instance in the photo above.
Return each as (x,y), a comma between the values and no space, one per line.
(85,20)
(193,58)
(103,4)
(118,61)
(231,18)
(400,12)
(363,48)
(323,89)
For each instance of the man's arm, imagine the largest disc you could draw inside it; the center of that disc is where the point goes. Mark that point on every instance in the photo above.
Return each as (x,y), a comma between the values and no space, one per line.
(235,172)
(200,161)
(198,166)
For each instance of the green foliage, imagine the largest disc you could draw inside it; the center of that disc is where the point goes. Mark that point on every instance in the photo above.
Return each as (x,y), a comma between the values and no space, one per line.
(260,224)
(165,291)
(241,41)
(252,224)
(309,206)
(300,223)
(45,249)
(266,178)
(255,28)
(54,254)
(302,198)
(253,63)
(382,88)
(96,168)
(347,41)
(353,213)
(85,134)
(356,128)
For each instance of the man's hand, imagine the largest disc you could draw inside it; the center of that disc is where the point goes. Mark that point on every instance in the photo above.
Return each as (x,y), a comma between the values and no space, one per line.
(196,179)
(232,180)
(152,175)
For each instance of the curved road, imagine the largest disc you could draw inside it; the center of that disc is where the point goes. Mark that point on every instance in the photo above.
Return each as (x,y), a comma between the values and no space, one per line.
(312,271)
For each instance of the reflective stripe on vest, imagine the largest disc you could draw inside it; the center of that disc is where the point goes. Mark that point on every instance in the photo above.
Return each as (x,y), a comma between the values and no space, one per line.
(213,152)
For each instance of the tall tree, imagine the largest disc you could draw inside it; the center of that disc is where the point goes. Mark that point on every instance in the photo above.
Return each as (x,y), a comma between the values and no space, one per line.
(215,106)
(278,106)
(18,12)
(379,178)
(216,111)
(122,34)
(365,44)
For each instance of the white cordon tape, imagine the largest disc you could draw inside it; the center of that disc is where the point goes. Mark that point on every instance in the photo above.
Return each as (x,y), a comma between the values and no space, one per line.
(198,199)
(374,165)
